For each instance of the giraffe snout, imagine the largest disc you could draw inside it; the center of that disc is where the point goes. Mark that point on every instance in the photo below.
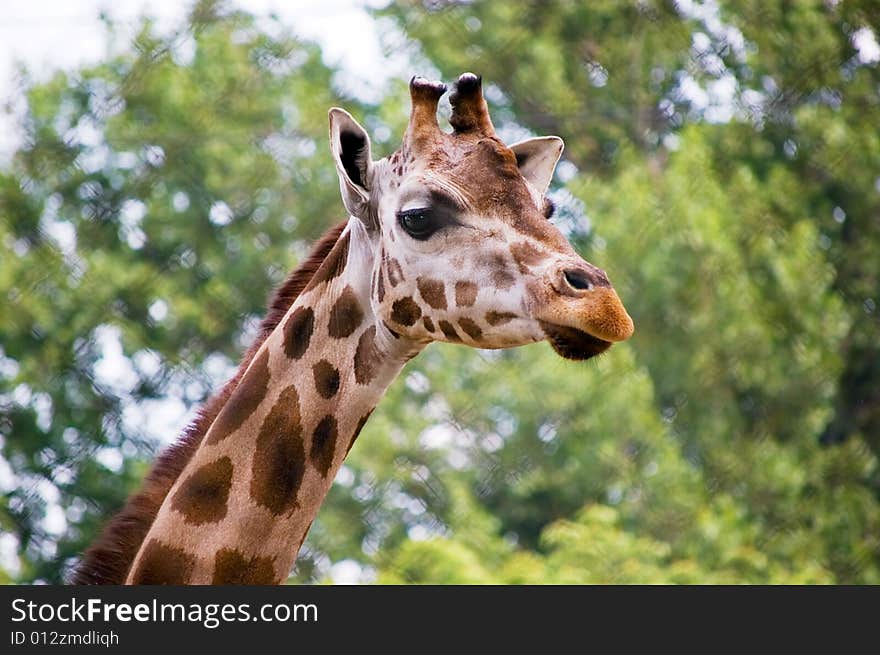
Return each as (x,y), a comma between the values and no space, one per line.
(605,317)
(582,300)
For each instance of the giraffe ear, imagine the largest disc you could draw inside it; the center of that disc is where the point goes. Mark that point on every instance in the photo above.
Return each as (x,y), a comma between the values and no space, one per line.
(350,146)
(537,159)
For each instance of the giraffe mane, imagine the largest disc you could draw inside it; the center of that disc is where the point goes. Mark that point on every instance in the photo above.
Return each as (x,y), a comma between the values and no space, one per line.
(109,559)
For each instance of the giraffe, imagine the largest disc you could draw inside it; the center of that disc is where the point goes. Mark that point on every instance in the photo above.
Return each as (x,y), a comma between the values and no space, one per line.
(448,239)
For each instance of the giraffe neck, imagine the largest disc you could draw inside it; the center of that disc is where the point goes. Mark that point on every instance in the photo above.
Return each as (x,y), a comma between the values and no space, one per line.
(242,506)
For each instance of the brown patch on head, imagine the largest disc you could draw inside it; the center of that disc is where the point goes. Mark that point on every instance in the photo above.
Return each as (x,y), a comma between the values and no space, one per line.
(449,330)
(298,332)
(161,564)
(366,357)
(243,401)
(433,291)
(326,379)
(526,255)
(324,444)
(502,278)
(487,170)
(465,293)
(470,328)
(202,497)
(346,315)
(279,456)
(405,311)
(395,272)
(499,318)
(231,567)
(333,265)
(357,431)
(428,323)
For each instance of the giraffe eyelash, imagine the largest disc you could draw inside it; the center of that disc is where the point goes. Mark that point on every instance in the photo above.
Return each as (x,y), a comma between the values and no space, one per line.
(549,208)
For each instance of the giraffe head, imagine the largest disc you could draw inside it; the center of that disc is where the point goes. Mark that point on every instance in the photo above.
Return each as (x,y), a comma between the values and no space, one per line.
(458,225)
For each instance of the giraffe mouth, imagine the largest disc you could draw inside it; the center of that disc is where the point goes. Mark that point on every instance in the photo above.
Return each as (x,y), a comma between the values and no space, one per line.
(572,343)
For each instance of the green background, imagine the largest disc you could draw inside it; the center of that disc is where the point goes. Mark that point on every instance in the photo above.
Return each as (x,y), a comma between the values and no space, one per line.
(158,196)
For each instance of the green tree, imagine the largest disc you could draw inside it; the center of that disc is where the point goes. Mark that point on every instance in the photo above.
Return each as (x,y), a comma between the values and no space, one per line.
(156,200)
(721,164)
(724,221)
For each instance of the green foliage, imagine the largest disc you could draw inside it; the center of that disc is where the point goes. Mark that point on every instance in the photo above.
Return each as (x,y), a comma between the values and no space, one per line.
(154,201)
(734,439)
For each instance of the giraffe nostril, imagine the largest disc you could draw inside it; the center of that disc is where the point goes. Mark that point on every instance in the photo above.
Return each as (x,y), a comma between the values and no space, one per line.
(578,280)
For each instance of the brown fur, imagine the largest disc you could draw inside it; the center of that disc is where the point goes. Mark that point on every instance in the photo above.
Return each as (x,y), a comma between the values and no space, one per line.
(110,557)
(433,291)
(244,401)
(499,318)
(345,315)
(470,328)
(366,357)
(324,444)
(163,564)
(298,332)
(449,330)
(326,379)
(465,293)
(202,497)
(231,567)
(405,311)
(279,459)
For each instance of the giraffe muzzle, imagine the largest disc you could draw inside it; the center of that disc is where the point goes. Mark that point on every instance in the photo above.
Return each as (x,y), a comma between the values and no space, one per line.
(583,316)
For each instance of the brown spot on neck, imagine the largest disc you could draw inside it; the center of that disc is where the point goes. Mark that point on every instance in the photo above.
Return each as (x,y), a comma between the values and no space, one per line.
(405,311)
(367,357)
(231,567)
(326,379)
(109,559)
(433,291)
(202,497)
(244,400)
(298,332)
(163,565)
(428,323)
(346,315)
(465,293)
(279,457)
(333,265)
(324,444)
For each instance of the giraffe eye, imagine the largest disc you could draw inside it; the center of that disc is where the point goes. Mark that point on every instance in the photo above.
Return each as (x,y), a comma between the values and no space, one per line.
(418,223)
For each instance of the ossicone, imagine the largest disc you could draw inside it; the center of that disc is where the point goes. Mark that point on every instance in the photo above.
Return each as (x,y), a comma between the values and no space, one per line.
(470,113)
